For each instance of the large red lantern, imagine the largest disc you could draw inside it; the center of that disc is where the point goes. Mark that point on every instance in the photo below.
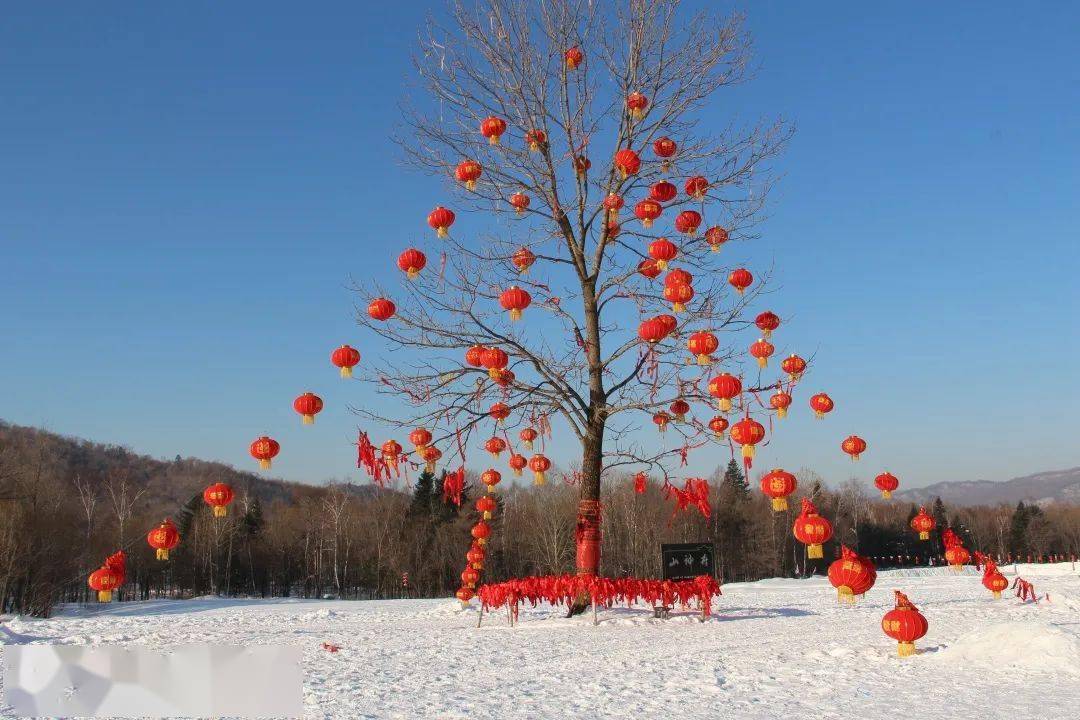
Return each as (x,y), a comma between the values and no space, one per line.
(636,103)
(649,268)
(536,139)
(811,529)
(718,425)
(163,538)
(663,251)
(468,172)
(539,464)
(485,504)
(491,477)
(777,485)
(218,496)
(613,203)
(678,276)
(702,345)
(495,445)
(628,162)
(381,309)
(652,330)
(420,438)
(495,360)
(345,358)
(528,435)
(687,222)
(441,219)
(887,483)
(923,524)
(780,401)
(854,446)
(955,553)
(104,580)
(851,575)
(573,57)
(265,449)
(905,624)
(480,532)
(517,463)
(515,300)
(716,236)
(761,351)
(767,322)
(663,191)
(821,404)
(520,202)
(665,149)
(492,128)
(523,259)
(647,211)
(499,412)
(308,406)
(747,433)
(678,296)
(725,387)
(697,187)
(474,356)
(464,595)
(740,279)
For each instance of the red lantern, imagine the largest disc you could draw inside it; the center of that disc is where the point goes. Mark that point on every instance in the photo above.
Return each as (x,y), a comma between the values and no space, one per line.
(345,358)
(679,409)
(487,505)
(504,378)
(649,268)
(957,556)
(613,203)
(702,344)
(381,309)
(636,104)
(308,406)
(687,222)
(678,276)
(725,387)
(767,322)
(854,446)
(470,576)
(514,300)
(573,57)
(441,219)
(218,496)
(811,529)
(536,139)
(480,532)
(491,478)
(104,580)
(994,581)
(663,251)
(492,128)
(777,485)
(464,595)
(499,412)
(716,236)
(669,322)
(718,425)
(678,296)
(520,201)
(468,172)
(761,350)
(821,404)
(474,356)
(420,438)
(647,211)
(476,554)
(163,538)
(495,360)
(523,259)
(581,165)
(661,420)
(887,483)
(747,433)
(851,575)
(905,624)
(794,366)
(740,279)
(430,455)
(528,435)
(665,148)
(495,445)
(923,524)
(517,463)
(628,162)
(265,449)
(663,191)
(539,465)
(652,330)
(780,401)
(391,451)
(697,187)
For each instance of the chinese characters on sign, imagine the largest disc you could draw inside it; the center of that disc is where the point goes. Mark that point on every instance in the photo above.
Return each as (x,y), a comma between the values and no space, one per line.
(685,561)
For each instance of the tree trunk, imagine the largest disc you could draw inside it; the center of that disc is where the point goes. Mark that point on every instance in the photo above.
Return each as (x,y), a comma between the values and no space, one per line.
(587,534)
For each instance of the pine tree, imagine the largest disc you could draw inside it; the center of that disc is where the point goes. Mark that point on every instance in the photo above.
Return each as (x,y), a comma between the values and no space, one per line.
(253,521)
(1018,530)
(735,479)
(423,499)
(941,520)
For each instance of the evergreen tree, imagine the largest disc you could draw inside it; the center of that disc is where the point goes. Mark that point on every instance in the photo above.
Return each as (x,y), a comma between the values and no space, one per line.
(424,494)
(253,521)
(1018,544)
(735,479)
(941,520)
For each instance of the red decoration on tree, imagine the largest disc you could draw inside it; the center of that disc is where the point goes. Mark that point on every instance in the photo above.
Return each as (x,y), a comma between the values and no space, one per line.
(485,504)
(679,408)
(163,538)
(661,420)
(495,445)
(441,219)
(740,279)
(905,624)
(517,463)
(747,433)
(474,356)
(761,351)
(851,575)
(649,268)
(663,251)
(381,309)
(420,438)
(613,203)
(887,483)
(923,524)
(665,149)
(499,412)
(476,554)
(391,453)
(821,404)
(430,455)
(627,162)
(767,322)
(581,165)
(454,486)
(536,139)
(468,172)
(495,360)
(653,330)
(678,276)
(697,187)
(811,529)
(725,387)
(520,202)
(647,211)
(470,577)
(641,481)
(780,401)
(663,191)
(794,366)
(218,496)
(539,464)
(777,485)
(491,477)
(687,222)
(480,532)
(573,57)
(718,425)
(308,406)
(636,103)
(515,300)
(345,358)
(678,296)
(523,259)
(528,435)
(492,128)
(854,446)
(716,236)
(265,449)
(702,345)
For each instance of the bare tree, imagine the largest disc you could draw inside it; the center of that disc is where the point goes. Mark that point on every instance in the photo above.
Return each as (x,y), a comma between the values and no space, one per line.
(122,497)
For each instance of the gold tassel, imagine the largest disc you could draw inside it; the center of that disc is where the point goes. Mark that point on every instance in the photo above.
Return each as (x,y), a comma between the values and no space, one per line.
(308,419)
(924,536)
(997,594)
(725,404)
(219,511)
(886,494)
(441,232)
(779,504)
(814,552)
(470,184)
(762,362)
(264,464)
(346,372)
(539,478)
(781,413)
(515,315)
(905,649)
(104,596)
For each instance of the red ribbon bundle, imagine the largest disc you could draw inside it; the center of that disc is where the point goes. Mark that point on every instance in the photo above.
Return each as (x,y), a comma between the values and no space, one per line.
(695,492)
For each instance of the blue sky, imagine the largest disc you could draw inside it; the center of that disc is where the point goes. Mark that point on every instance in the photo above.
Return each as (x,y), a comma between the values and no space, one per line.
(185,192)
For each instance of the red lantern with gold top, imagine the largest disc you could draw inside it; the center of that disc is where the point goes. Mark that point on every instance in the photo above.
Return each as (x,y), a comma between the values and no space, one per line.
(687,222)
(486,504)
(163,538)
(517,463)
(539,465)
(637,103)
(649,268)
(499,412)
(523,259)
(887,483)
(308,406)
(381,309)
(661,420)
(468,172)
(957,557)
(265,449)
(104,580)
(663,251)
(780,401)
(777,485)
(665,149)
(851,575)
(536,139)
(697,187)
(480,532)
(993,580)
(573,57)
(716,236)
(854,446)
(821,404)
(923,523)
(718,425)
(613,203)
(725,387)
(761,351)
(678,296)
(663,191)
(905,624)
(491,477)
(679,408)
(420,438)
(495,360)
(627,162)
(767,322)
(747,433)
(702,345)
(515,300)
(740,279)
(520,202)
(441,219)
(794,366)
(345,358)
(495,445)
(647,211)
(652,330)
(811,530)
(218,496)
(492,128)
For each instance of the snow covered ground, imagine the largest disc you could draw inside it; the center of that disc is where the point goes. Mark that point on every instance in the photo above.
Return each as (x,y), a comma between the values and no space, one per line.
(773,649)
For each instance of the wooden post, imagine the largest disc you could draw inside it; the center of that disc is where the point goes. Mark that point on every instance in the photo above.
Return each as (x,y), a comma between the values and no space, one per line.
(594,620)
(480,616)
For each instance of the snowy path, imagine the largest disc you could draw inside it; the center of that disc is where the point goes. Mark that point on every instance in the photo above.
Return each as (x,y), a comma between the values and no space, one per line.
(776,648)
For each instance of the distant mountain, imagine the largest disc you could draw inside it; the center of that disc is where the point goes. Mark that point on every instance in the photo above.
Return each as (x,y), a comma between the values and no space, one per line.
(1042,488)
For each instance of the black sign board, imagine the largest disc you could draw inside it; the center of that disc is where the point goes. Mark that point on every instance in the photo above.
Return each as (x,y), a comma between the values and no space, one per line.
(685,561)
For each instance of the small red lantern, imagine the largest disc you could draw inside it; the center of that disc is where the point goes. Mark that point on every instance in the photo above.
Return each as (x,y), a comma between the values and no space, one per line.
(420,438)
(470,576)
(697,187)
(515,300)
(811,529)
(495,360)
(702,345)
(476,554)
(762,350)
(487,505)
(441,219)
(464,595)
(520,201)
(218,496)
(851,575)
(740,279)
(492,128)
(678,296)
(523,259)
(480,532)
(308,406)
(821,404)
(628,162)
(345,358)
(504,378)
(670,323)
(687,222)
(649,268)
(905,624)
(163,538)
(430,455)
(665,149)
(613,203)
(573,57)
(993,580)
(725,387)
(747,433)
(517,463)
(581,165)
(636,103)
(491,477)
(381,309)
(647,211)
(678,276)
(887,483)
(718,425)
(777,485)
(528,435)
(663,191)
(716,236)
(104,580)
(957,556)
(854,446)
(536,139)
(468,172)
(539,465)
(652,330)
(663,251)
(499,412)
(923,524)
(794,366)
(265,449)
(391,452)
(495,445)
(780,401)
(661,420)
(767,322)
(679,408)
(474,356)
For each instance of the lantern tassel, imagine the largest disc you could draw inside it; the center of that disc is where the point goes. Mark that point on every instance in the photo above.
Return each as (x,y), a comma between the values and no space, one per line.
(264,464)
(905,649)
(886,494)
(814,552)
(515,315)
(539,478)
(346,372)
(725,404)
(308,419)
(220,511)
(104,596)
(924,536)
(779,504)
(781,413)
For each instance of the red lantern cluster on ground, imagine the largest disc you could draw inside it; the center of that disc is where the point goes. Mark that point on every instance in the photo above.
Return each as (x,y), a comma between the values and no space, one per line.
(923,523)
(854,446)
(308,406)
(725,387)
(218,496)
(777,485)
(851,575)
(955,553)
(905,624)
(468,172)
(345,358)
(163,538)
(702,345)
(440,219)
(381,309)
(687,222)
(762,350)
(887,483)
(265,449)
(492,128)
(812,530)
(821,404)
(514,300)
